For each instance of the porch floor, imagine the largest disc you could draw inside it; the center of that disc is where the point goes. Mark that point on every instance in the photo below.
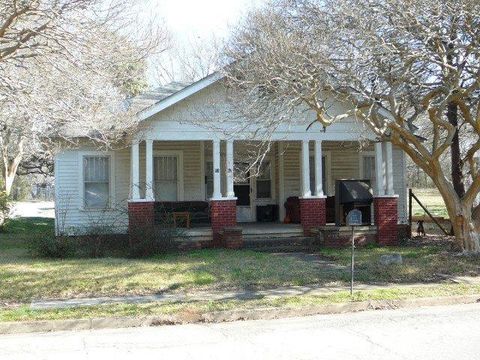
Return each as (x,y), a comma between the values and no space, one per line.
(249,230)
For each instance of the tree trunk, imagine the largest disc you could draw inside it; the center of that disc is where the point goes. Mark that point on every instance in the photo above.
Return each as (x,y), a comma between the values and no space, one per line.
(464,229)
(9,174)
(463,223)
(10,167)
(456,158)
(8,182)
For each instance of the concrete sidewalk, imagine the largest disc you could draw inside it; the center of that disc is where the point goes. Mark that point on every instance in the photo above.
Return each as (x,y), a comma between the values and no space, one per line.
(409,333)
(228,295)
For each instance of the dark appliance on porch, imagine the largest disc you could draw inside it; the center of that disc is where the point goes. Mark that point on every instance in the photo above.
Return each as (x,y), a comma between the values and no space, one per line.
(352,194)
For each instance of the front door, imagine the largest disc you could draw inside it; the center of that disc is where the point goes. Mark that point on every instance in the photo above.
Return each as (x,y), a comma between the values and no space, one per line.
(166,177)
(242,188)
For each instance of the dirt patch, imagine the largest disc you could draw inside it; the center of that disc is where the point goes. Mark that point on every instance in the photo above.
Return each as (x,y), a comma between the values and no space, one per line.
(432,239)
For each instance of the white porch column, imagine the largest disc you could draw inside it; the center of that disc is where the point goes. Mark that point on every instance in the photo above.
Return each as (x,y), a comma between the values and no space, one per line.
(135,161)
(149,170)
(318,168)
(305,170)
(379,174)
(281,181)
(230,192)
(389,170)
(217,194)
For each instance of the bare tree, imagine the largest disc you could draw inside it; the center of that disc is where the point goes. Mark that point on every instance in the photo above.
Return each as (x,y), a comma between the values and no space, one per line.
(189,62)
(400,63)
(66,68)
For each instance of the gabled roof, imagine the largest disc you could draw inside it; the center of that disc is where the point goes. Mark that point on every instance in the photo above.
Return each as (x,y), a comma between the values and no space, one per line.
(153,96)
(161,98)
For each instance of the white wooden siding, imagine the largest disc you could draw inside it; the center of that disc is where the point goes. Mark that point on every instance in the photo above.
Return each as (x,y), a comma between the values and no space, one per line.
(71,218)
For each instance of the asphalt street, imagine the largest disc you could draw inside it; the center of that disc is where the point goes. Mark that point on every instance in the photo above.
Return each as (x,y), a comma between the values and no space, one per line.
(447,332)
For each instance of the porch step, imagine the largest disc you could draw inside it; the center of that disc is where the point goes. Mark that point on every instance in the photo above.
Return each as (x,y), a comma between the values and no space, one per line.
(272,232)
(195,235)
(278,244)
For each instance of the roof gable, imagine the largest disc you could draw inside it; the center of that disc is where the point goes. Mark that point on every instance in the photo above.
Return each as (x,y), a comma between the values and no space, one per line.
(179,94)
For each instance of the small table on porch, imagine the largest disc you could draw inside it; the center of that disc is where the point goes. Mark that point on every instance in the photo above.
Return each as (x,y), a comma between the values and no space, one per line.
(185,215)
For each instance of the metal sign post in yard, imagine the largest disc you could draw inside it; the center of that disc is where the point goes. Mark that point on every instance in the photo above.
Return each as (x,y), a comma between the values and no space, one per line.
(354,218)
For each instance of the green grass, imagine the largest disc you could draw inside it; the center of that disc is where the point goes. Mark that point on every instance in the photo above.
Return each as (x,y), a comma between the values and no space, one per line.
(420,264)
(189,310)
(23,278)
(432,200)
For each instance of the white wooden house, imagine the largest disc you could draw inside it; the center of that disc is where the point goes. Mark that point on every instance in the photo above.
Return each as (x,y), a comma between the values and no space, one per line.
(180,157)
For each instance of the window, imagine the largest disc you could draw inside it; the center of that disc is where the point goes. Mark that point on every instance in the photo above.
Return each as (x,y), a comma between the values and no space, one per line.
(166,177)
(368,167)
(96,182)
(312,175)
(264,181)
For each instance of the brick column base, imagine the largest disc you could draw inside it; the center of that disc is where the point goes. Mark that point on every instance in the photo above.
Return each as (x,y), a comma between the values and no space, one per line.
(223,213)
(386,218)
(233,237)
(312,213)
(141,219)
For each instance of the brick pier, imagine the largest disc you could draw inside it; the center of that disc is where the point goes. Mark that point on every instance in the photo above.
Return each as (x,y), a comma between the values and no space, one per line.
(312,213)
(141,218)
(386,218)
(223,214)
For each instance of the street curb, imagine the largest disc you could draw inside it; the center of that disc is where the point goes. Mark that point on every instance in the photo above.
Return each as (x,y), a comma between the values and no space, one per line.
(227,316)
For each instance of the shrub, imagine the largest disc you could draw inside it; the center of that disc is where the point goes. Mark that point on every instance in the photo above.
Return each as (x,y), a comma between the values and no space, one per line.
(145,243)
(101,241)
(50,246)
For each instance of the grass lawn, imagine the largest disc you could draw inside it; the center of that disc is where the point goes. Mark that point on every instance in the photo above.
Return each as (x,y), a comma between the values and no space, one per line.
(23,278)
(432,200)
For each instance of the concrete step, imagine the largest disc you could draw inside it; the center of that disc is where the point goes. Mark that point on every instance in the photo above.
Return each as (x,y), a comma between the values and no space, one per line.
(272,235)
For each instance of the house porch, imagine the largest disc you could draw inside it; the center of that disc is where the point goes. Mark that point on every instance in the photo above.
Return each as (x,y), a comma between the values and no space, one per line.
(205,172)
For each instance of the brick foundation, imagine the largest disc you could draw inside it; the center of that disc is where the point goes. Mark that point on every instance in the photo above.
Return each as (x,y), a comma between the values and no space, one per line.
(223,214)
(335,237)
(141,218)
(386,218)
(312,213)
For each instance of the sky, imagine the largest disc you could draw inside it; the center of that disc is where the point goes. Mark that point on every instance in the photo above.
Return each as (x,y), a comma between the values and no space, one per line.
(196,19)
(199,17)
